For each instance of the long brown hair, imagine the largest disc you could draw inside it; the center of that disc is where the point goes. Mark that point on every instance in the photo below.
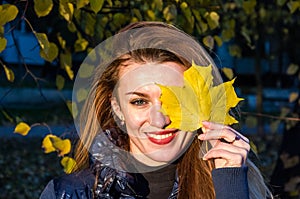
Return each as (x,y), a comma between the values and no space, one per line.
(142,46)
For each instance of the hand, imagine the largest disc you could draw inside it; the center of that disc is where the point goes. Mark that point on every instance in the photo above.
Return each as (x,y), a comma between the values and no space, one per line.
(230,148)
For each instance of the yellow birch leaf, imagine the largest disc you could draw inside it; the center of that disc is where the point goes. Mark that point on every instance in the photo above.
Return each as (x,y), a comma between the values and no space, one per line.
(3,43)
(209,42)
(87,70)
(151,15)
(81,94)
(228,72)
(60,82)
(50,53)
(43,40)
(213,20)
(61,41)
(170,12)
(9,73)
(43,7)
(66,10)
(8,13)
(22,128)
(293,96)
(218,40)
(69,164)
(47,144)
(69,72)
(62,146)
(292,69)
(53,143)
(80,44)
(198,100)
(288,160)
(72,108)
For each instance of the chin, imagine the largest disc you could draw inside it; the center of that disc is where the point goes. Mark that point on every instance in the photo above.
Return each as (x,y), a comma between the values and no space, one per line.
(164,157)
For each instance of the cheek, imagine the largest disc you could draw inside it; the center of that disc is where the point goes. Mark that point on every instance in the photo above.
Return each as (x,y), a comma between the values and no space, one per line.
(134,118)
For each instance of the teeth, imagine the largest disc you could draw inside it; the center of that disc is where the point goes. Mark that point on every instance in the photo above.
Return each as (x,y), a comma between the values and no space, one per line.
(160,137)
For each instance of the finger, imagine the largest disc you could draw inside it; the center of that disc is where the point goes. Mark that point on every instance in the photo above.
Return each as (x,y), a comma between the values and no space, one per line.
(222,131)
(224,158)
(243,151)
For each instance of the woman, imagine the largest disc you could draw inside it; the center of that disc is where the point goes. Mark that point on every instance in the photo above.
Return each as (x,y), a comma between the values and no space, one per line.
(126,149)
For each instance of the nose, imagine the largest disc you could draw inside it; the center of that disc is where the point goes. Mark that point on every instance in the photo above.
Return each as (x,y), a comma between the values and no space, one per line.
(157,118)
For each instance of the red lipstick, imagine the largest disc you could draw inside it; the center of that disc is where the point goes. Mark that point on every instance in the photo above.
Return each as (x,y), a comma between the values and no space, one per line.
(162,137)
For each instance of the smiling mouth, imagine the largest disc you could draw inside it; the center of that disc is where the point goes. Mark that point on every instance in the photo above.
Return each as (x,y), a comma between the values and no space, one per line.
(162,137)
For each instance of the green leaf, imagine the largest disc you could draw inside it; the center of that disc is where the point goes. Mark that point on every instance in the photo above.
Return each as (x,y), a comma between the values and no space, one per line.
(227,34)
(274,126)
(42,7)
(81,3)
(66,63)
(137,13)
(170,12)
(9,74)
(157,5)
(66,10)
(251,121)
(50,53)
(8,13)
(3,43)
(235,51)
(249,6)
(209,42)
(187,14)
(292,69)
(90,23)
(72,27)
(60,82)
(96,5)
(80,44)
(281,2)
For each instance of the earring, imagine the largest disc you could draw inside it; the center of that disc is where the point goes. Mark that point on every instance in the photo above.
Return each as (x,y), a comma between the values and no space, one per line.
(122,120)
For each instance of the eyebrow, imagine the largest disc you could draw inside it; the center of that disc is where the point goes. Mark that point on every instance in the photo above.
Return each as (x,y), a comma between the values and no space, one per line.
(137,93)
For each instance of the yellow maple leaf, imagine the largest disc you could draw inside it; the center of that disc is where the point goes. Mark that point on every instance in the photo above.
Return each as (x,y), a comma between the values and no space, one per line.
(69,164)
(22,128)
(53,143)
(198,100)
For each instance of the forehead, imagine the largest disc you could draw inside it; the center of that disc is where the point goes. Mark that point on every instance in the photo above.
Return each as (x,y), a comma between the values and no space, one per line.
(137,75)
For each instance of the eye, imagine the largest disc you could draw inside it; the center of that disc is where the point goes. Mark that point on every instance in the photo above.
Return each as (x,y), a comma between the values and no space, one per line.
(139,102)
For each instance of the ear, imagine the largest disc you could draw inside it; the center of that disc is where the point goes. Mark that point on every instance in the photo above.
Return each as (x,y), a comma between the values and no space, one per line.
(116,108)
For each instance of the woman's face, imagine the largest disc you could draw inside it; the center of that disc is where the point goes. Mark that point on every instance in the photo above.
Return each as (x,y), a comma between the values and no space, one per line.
(139,105)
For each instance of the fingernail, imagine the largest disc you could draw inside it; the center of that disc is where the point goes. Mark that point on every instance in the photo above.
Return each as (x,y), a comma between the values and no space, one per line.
(201,136)
(205,123)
